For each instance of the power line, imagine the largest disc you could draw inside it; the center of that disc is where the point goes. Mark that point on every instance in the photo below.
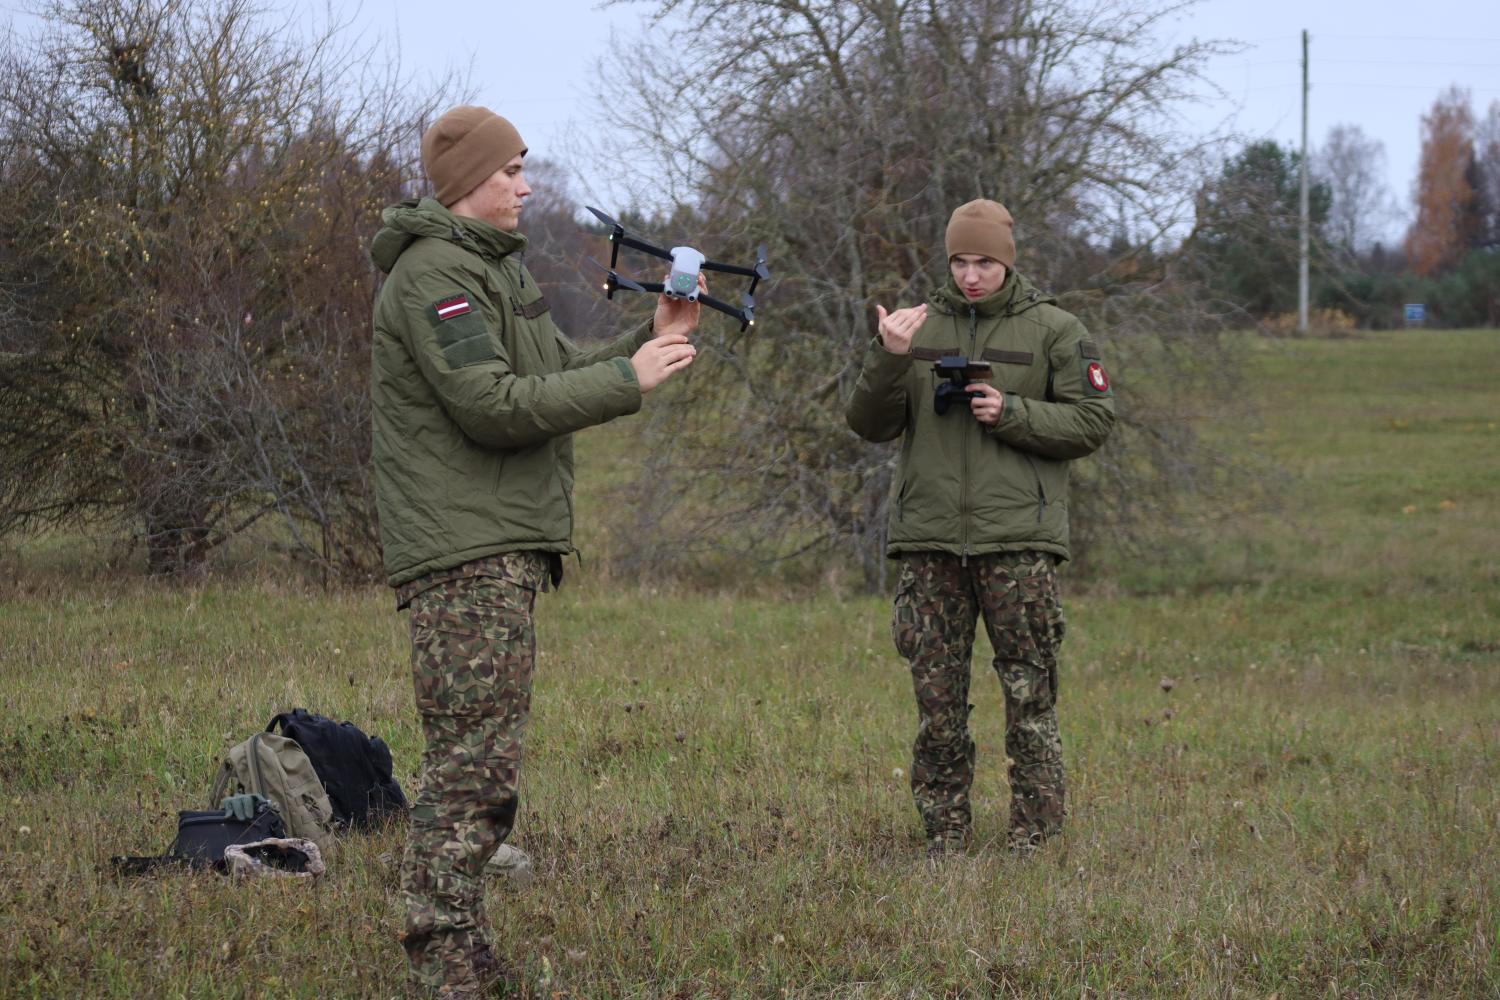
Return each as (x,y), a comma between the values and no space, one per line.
(1408,86)
(1407,38)
(1330,85)
(1404,62)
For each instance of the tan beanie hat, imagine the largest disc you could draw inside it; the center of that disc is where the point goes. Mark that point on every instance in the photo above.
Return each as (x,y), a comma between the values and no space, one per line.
(464,147)
(982,227)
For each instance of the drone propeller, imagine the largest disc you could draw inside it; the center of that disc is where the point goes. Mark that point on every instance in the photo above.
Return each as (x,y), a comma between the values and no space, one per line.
(604,218)
(614,281)
(618,238)
(624,282)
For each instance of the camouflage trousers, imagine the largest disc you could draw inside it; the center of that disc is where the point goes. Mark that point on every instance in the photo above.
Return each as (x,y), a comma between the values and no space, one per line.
(473,651)
(938,603)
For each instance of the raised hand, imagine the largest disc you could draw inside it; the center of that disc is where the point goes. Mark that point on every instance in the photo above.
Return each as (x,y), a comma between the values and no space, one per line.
(898,328)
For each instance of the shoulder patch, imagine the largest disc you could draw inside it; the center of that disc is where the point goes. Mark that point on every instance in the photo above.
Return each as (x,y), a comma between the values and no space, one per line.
(461,331)
(451,307)
(1088,349)
(1095,378)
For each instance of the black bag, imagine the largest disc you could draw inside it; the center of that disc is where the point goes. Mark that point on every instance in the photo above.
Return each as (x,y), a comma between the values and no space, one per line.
(202,835)
(355,769)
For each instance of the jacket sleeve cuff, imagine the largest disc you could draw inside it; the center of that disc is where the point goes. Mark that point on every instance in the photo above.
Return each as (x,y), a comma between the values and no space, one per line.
(884,365)
(1013,419)
(625,369)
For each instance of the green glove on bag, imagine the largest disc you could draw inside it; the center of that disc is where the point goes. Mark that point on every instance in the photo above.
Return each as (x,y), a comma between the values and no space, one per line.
(244,807)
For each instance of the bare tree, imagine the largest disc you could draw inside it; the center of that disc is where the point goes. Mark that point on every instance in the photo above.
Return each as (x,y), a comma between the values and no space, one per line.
(193,189)
(842,133)
(1487,176)
(1351,165)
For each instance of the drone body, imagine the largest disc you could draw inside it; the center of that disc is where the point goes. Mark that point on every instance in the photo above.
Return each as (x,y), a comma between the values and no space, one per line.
(682,282)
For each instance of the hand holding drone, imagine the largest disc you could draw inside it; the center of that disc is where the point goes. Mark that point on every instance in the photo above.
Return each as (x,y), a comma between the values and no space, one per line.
(682,283)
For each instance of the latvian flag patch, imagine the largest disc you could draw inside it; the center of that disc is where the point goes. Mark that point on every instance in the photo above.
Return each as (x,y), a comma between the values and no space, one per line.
(458,305)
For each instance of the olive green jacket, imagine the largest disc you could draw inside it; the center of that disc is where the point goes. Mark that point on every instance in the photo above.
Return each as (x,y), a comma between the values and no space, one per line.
(475,391)
(962,487)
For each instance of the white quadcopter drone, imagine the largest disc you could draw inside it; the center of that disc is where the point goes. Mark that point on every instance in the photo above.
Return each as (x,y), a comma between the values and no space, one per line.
(682,282)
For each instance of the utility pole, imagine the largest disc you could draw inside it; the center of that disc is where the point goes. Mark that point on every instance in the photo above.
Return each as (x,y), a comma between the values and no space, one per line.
(1302,236)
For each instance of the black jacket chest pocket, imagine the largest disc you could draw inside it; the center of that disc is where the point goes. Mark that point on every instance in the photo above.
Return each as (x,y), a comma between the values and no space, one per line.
(1016,371)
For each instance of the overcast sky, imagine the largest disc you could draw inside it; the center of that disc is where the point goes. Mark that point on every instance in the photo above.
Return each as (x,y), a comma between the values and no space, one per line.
(1378,64)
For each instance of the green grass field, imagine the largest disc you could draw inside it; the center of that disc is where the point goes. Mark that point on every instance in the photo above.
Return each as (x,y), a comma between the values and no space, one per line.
(715,792)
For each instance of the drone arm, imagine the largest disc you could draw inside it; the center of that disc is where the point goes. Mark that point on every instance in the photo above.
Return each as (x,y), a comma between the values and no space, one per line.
(723,307)
(614,281)
(642,246)
(710,265)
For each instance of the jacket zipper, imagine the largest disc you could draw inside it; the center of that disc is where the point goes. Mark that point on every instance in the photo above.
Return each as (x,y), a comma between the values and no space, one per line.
(1041,493)
(963,511)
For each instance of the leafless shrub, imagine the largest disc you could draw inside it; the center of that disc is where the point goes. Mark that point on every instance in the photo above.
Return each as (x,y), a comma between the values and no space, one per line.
(184,286)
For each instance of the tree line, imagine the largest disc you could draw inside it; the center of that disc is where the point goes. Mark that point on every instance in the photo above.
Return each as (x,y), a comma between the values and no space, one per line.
(1246,232)
(185,286)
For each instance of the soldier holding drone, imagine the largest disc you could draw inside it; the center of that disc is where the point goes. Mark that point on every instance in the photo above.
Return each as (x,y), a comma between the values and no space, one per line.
(475,393)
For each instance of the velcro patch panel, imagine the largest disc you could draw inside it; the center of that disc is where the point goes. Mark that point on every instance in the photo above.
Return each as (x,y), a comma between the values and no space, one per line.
(1007,357)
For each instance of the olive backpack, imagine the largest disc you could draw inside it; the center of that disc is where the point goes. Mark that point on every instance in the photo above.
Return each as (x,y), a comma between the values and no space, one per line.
(276,767)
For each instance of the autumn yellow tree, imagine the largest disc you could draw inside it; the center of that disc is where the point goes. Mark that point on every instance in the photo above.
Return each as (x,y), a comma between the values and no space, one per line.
(1444,193)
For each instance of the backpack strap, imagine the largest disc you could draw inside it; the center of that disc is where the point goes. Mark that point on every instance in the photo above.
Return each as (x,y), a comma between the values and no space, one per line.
(130,865)
(221,782)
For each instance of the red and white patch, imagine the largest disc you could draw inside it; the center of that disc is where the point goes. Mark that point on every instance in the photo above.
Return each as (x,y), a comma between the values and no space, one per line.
(1097,378)
(449,308)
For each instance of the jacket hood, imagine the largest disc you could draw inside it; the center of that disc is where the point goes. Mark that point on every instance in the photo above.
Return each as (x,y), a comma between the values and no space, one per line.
(406,222)
(1014,297)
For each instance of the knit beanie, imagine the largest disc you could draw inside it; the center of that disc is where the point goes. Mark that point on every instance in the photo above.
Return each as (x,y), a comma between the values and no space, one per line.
(463,147)
(982,227)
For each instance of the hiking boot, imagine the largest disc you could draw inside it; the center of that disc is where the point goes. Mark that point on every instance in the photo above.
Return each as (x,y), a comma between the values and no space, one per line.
(496,978)
(513,864)
(943,846)
(490,978)
(1024,842)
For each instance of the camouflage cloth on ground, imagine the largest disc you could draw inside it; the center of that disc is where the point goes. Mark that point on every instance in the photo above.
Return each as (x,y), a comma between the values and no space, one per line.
(938,603)
(473,651)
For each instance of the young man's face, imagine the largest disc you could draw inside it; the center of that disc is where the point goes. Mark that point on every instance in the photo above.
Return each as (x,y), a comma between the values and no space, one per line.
(976,276)
(497,199)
